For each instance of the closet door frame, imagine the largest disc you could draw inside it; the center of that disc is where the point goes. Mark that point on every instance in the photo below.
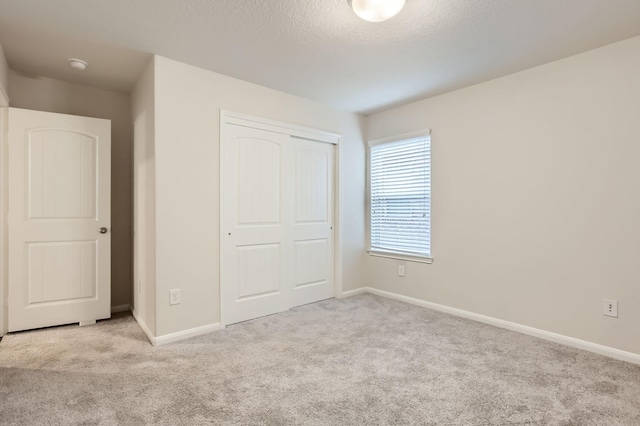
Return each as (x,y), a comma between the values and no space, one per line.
(232,118)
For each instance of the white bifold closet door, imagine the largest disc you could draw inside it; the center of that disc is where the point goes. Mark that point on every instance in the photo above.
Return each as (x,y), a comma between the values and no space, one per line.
(277,222)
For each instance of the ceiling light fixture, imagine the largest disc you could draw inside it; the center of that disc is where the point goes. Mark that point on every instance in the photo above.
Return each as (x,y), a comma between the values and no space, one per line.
(78,64)
(376,10)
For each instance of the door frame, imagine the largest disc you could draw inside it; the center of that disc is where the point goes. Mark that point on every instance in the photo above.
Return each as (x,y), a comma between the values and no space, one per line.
(229,117)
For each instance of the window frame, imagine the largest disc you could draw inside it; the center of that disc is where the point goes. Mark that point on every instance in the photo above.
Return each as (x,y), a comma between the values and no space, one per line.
(377,252)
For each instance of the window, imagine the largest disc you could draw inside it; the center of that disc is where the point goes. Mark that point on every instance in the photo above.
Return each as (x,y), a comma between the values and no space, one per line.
(400,191)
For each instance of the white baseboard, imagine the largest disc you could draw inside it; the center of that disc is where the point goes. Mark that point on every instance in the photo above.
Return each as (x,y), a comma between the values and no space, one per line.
(143,326)
(350,293)
(185,334)
(120,308)
(546,335)
(174,337)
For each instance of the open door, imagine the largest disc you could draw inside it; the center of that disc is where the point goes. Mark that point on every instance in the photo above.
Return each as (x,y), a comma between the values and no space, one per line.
(59,219)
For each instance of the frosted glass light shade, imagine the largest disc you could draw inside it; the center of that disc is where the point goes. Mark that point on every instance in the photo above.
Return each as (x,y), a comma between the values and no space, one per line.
(376,10)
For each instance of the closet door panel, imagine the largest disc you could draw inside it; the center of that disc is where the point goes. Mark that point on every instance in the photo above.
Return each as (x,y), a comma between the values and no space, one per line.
(256,223)
(312,225)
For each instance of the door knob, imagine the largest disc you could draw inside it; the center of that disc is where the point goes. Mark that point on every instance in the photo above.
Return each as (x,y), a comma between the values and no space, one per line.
(102,230)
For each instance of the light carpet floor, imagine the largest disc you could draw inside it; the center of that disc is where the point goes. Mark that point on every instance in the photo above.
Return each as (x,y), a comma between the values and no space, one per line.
(361,360)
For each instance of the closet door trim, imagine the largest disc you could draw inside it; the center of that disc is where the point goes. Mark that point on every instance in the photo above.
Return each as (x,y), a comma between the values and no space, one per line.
(228,117)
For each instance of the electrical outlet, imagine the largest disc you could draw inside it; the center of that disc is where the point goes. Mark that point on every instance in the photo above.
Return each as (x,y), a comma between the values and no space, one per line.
(401,270)
(174,297)
(610,308)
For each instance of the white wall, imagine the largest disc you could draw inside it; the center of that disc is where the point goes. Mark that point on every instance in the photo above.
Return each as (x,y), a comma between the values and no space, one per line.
(188,102)
(45,94)
(536,197)
(4,102)
(143,118)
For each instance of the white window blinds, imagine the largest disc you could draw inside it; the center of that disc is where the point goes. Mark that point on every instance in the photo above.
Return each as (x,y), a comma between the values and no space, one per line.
(400,180)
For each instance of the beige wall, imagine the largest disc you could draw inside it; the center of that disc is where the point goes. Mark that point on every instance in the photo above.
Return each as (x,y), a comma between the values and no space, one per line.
(4,79)
(3,229)
(188,102)
(143,118)
(536,197)
(45,94)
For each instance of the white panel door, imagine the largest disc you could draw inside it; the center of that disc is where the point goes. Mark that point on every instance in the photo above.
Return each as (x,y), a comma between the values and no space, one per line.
(59,219)
(312,226)
(256,248)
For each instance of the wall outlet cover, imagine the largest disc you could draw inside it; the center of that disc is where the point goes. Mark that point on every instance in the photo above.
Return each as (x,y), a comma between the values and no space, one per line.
(610,308)
(174,297)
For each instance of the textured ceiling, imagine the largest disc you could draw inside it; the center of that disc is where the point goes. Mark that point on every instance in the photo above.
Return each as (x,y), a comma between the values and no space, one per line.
(316,49)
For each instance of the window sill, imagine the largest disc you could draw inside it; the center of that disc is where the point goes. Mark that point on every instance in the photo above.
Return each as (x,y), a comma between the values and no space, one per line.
(400,256)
